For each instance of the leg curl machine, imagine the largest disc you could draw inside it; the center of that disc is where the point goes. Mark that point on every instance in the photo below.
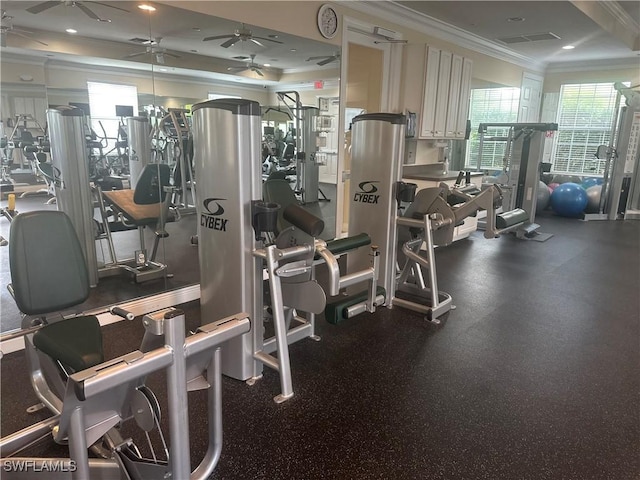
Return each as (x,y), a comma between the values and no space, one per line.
(89,396)
(376,172)
(237,240)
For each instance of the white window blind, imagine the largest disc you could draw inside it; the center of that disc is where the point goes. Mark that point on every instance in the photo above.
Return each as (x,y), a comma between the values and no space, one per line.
(490,105)
(585,115)
(103,98)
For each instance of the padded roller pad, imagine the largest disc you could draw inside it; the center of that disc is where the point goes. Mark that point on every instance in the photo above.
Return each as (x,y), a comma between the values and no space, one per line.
(336,312)
(511,218)
(303,219)
(75,342)
(342,245)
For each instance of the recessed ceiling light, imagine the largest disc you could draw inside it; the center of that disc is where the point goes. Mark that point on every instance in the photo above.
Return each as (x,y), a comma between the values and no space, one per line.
(515,19)
(194,51)
(71,30)
(568,47)
(104,20)
(293,50)
(273,36)
(196,29)
(147,7)
(267,64)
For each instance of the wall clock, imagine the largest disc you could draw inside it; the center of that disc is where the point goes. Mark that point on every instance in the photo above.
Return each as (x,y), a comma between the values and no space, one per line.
(327,21)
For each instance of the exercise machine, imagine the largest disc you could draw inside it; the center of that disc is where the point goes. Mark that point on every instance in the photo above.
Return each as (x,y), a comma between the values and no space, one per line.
(377,148)
(76,197)
(177,131)
(90,397)
(620,194)
(305,144)
(521,171)
(239,237)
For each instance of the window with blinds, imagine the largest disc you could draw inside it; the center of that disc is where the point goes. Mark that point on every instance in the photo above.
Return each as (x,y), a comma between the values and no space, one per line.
(585,115)
(490,105)
(103,98)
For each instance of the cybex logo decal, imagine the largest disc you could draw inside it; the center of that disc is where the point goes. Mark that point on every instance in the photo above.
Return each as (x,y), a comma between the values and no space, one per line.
(367,193)
(210,217)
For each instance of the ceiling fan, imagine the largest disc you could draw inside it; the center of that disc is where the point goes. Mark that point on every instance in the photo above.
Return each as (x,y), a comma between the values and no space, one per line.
(6,27)
(154,49)
(325,59)
(240,35)
(41,7)
(250,66)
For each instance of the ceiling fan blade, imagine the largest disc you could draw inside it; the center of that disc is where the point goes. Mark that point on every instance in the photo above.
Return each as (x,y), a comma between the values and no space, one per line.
(28,37)
(134,55)
(110,6)
(217,37)
(88,12)
(41,7)
(256,42)
(258,72)
(230,42)
(269,39)
(316,58)
(326,61)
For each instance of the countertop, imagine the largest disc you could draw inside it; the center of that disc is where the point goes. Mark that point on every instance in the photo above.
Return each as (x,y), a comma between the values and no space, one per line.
(433,176)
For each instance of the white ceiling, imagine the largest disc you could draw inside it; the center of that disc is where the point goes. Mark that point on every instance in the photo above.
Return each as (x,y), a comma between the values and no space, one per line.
(490,20)
(182,32)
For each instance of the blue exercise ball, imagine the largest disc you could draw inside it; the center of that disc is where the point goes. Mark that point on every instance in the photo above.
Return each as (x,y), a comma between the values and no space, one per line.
(590,182)
(569,200)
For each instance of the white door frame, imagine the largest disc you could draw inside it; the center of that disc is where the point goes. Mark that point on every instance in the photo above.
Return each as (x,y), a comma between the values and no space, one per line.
(360,32)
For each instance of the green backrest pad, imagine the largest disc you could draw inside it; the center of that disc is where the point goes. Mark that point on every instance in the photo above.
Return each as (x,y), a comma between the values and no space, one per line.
(151,183)
(48,268)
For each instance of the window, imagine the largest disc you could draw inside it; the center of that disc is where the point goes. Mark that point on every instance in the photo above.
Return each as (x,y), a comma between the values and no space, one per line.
(585,115)
(103,99)
(490,105)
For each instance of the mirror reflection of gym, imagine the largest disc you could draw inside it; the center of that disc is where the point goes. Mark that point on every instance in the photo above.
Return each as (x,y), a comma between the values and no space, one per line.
(157,92)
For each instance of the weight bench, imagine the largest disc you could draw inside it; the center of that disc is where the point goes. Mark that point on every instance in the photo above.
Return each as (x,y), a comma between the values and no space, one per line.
(146,206)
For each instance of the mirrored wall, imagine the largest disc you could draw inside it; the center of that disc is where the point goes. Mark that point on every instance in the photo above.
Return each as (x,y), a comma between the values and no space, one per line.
(170,58)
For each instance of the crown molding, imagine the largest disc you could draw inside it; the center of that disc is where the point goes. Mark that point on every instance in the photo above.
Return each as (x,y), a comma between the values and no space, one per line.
(620,14)
(404,16)
(594,66)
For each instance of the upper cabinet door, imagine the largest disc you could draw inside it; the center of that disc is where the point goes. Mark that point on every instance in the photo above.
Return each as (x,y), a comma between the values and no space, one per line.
(444,76)
(428,117)
(454,96)
(465,97)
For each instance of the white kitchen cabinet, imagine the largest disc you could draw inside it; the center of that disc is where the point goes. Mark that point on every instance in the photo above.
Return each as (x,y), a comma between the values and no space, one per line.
(445,100)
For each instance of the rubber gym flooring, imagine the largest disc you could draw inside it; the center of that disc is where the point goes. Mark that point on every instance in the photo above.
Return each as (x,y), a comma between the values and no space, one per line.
(535,375)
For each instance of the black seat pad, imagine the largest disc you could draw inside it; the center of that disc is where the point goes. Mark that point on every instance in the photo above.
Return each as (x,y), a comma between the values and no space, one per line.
(75,342)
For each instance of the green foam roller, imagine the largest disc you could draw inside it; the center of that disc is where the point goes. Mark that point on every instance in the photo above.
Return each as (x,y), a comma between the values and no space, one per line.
(336,312)
(511,218)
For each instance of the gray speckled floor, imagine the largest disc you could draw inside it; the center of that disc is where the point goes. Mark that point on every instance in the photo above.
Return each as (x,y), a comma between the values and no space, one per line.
(535,375)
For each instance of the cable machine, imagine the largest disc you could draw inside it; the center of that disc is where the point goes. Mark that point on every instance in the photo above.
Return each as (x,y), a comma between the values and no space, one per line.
(620,196)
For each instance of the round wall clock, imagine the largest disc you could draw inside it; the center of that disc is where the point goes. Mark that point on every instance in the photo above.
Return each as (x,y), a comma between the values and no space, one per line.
(327,21)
